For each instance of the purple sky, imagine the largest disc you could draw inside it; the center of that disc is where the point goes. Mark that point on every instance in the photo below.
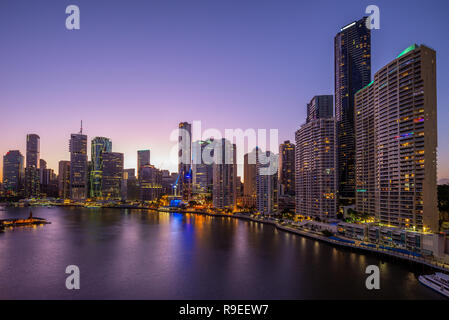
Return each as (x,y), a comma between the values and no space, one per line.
(137,68)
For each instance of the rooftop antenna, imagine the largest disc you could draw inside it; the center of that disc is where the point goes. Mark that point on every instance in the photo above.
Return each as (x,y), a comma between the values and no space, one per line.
(81,131)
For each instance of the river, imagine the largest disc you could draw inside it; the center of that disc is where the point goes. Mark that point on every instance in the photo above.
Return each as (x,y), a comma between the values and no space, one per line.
(136,254)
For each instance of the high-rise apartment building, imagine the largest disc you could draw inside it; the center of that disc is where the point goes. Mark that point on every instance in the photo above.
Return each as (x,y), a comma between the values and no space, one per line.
(78,166)
(112,175)
(315,181)
(396,132)
(99,145)
(64,179)
(224,175)
(13,172)
(352,72)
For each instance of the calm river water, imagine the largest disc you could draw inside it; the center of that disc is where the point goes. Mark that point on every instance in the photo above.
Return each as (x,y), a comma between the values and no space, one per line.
(133,254)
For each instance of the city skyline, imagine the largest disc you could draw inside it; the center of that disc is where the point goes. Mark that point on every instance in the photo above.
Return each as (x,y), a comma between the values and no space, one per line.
(274,79)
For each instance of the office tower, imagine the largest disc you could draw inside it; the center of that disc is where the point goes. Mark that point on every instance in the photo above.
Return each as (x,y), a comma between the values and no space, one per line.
(143,158)
(315,169)
(352,72)
(224,175)
(150,183)
(320,107)
(64,179)
(111,187)
(287,168)
(266,182)
(99,146)
(78,166)
(396,131)
(185,160)
(33,151)
(32,176)
(202,169)
(13,172)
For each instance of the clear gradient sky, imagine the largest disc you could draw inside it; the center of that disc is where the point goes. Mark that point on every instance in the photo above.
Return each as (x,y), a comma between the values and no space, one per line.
(136,68)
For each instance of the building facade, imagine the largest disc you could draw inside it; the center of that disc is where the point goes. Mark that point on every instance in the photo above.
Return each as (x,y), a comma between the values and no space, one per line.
(202,169)
(224,175)
(99,146)
(316,185)
(32,174)
(112,176)
(352,72)
(150,183)
(13,172)
(64,179)
(266,182)
(249,179)
(143,158)
(185,160)
(401,107)
(78,166)
(320,107)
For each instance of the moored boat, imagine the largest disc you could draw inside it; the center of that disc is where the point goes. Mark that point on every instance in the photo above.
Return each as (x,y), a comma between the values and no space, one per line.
(438,282)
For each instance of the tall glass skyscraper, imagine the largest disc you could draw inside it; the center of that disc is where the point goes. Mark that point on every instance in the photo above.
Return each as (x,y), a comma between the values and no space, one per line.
(78,166)
(352,72)
(32,176)
(185,159)
(99,146)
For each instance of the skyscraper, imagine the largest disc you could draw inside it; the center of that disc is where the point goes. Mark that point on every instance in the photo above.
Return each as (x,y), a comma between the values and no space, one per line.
(320,107)
(99,146)
(150,183)
(352,72)
(64,179)
(287,168)
(249,176)
(224,175)
(13,172)
(286,178)
(185,159)
(32,176)
(112,175)
(143,158)
(78,166)
(396,130)
(202,170)
(315,168)
(266,182)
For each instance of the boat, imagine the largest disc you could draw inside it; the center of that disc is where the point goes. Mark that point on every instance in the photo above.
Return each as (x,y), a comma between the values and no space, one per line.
(438,282)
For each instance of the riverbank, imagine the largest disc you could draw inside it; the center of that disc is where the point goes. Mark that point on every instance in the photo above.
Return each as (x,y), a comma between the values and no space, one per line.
(336,241)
